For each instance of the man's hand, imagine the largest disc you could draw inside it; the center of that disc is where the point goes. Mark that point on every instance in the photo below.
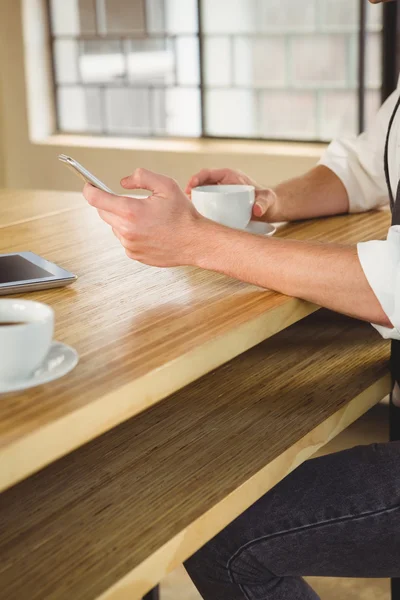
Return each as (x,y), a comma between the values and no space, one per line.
(266,199)
(318,193)
(160,230)
(165,230)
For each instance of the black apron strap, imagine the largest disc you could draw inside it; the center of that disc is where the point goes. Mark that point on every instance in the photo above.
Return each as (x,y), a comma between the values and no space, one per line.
(395,355)
(396,208)
(394,411)
(386,160)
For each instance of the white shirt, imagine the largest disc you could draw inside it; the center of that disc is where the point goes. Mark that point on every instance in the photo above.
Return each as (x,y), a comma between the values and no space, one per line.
(359,163)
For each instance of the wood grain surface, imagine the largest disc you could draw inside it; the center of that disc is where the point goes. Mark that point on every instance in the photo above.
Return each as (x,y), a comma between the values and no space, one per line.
(20,206)
(142,333)
(112,518)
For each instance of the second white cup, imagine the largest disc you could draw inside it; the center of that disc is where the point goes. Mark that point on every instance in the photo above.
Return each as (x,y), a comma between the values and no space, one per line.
(230,205)
(26,331)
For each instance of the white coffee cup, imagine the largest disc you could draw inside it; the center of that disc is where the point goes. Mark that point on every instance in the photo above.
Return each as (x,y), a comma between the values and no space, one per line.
(230,205)
(23,346)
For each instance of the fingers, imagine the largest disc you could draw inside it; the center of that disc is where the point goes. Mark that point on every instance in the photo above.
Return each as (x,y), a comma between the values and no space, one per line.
(116,222)
(263,202)
(127,245)
(142,179)
(120,238)
(206,177)
(118,205)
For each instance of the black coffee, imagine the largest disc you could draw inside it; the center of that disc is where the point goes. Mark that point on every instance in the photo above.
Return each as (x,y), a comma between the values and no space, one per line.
(7,324)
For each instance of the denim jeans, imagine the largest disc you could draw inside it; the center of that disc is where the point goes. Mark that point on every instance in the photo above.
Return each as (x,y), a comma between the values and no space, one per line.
(334,516)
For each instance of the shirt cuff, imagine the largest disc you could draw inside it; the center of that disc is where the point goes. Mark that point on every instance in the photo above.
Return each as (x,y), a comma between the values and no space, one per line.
(386,332)
(337,158)
(380,261)
(360,171)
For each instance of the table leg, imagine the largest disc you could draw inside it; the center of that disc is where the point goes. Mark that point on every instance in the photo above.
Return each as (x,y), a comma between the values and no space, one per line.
(395,589)
(394,428)
(153,595)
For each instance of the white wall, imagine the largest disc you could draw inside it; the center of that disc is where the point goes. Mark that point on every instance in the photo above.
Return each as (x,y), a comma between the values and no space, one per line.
(2,165)
(30,164)
(2,134)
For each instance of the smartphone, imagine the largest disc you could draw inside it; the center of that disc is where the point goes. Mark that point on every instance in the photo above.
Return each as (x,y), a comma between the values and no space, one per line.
(83,173)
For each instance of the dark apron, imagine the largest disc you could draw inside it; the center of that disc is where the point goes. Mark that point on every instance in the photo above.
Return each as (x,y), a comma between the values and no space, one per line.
(394,411)
(395,354)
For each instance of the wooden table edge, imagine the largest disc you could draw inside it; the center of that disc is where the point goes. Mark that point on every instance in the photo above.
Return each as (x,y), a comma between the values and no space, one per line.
(51,213)
(148,574)
(25,456)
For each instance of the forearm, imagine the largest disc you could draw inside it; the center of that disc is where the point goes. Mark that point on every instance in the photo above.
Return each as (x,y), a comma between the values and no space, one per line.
(319,193)
(325,274)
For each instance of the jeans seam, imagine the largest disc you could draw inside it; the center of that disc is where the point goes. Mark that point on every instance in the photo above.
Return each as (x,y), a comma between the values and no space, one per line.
(240,585)
(263,538)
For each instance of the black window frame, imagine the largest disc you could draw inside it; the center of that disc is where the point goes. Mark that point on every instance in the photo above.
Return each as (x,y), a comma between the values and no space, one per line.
(391,48)
(390,70)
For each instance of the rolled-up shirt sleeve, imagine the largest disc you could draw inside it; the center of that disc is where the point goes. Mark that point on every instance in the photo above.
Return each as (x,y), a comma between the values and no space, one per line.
(358,162)
(380,261)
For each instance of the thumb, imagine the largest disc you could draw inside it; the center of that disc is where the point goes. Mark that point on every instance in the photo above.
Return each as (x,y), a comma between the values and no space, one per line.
(264,201)
(142,179)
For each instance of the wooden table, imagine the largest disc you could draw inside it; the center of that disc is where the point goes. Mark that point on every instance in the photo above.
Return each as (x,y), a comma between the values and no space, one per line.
(143,334)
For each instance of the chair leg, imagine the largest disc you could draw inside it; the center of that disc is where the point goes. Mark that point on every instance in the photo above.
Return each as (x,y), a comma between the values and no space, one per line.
(394,426)
(153,595)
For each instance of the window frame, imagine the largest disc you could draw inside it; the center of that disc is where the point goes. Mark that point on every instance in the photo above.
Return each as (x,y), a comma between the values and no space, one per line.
(390,64)
(391,48)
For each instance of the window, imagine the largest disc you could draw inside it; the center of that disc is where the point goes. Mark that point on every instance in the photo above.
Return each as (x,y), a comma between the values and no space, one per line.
(269,69)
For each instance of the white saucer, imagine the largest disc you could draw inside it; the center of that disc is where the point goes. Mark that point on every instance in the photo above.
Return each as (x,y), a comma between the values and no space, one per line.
(260,228)
(60,360)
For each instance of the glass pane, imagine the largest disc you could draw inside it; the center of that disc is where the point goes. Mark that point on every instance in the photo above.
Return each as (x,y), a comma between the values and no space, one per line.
(182,16)
(188,61)
(151,61)
(158,104)
(259,62)
(374,59)
(79,109)
(339,14)
(155,16)
(319,60)
(288,114)
(286,15)
(231,113)
(66,61)
(229,16)
(128,111)
(72,17)
(101,61)
(87,15)
(71,105)
(64,17)
(374,17)
(218,57)
(183,112)
(94,116)
(125,16)
(339,114)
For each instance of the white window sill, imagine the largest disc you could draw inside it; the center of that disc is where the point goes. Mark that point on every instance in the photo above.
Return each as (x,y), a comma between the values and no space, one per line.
(188,146)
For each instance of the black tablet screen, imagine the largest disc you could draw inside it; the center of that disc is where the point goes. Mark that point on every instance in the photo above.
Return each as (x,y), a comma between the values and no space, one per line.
(16,268)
